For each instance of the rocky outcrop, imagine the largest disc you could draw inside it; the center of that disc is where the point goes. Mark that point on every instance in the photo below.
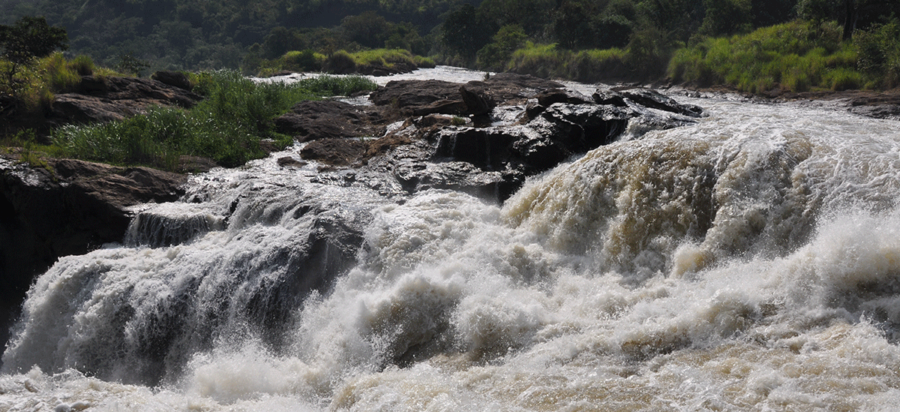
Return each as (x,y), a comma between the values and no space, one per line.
(102,99)
(444,145)
(313,120)
(66,208)
(423,97)
(655,100)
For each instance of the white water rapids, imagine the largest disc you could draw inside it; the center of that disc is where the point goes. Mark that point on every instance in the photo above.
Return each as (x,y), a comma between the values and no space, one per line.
(748,262)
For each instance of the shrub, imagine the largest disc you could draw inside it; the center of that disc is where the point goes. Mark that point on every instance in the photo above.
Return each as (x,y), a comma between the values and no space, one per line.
(879,52)
(61,75)
(340,63)
(81,64)
(302,61)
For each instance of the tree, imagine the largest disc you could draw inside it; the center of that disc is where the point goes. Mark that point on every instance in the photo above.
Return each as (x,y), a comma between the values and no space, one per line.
(29,38)
(464,32)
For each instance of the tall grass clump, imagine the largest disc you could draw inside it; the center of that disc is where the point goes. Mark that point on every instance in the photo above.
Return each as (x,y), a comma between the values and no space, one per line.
(227,126)
(796,56)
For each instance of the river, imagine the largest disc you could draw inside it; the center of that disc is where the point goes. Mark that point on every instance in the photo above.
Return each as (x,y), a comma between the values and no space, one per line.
(750,261)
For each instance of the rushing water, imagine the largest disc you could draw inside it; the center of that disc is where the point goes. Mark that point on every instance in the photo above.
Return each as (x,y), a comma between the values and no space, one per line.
(748,262)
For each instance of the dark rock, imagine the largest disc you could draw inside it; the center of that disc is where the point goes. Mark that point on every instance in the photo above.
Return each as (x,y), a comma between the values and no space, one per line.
(548,97)
(173,78)
(460,176)
(455,106)
(486,148)
(115,98)
(288,161)
(477,103)
(312,120)
(421,97)
(655,100)
(67,208)
(609,97)
(336,152)
(411,93)
(601,124)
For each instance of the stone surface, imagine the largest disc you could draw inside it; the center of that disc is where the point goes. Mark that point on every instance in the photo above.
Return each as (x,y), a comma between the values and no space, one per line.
(114,98)
(312,120)
(655,100)
(335,151)
(66,208)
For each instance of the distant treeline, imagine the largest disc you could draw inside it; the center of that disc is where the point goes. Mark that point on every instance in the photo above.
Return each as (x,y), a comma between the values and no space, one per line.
(580,39)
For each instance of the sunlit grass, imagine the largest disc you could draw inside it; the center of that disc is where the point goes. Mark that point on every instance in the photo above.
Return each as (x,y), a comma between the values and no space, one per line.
(226,127)
(586,65)
(796,56)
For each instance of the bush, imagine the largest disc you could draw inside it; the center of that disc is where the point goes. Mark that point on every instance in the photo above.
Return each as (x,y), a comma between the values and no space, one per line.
(879,52)
(61,74)
(339,63)
(302,61)
(83,65)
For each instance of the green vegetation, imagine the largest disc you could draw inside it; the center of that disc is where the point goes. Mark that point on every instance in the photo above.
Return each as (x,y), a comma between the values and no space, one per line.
(588,40)
(227,126)
(36,84)
(341,61)
(22,43)
(796,56)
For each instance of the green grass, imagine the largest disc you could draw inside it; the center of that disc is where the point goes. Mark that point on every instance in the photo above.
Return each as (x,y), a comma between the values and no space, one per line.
(342,61)
(226,127)
(584,66)
(796,56)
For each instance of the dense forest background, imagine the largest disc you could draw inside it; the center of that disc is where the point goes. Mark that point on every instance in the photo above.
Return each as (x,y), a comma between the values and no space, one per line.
(642,35)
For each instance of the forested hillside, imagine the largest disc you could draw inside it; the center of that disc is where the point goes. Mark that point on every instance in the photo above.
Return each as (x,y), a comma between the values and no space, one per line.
(198,34)
(587,40)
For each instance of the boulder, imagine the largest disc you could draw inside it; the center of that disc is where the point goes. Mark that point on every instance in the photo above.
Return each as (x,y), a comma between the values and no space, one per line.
(313,120)
(477,103)
(104,99)
(335,151)
(601,124)
(609,97)
(422,97)
(655,100)
(402,94)
(551,96)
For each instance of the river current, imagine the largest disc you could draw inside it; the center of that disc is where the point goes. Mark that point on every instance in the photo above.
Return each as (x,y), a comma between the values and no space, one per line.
(750,261)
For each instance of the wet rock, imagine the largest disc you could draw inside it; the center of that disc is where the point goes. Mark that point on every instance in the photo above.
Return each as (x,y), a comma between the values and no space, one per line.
(335,151)
(601,124)
(549,97)
(288,161)
(312,120)
(609,97)
(510,88)
(409,94)
(66,208)
(173,78)
(655,100)
(422,97)
(460,176)
(477,103)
